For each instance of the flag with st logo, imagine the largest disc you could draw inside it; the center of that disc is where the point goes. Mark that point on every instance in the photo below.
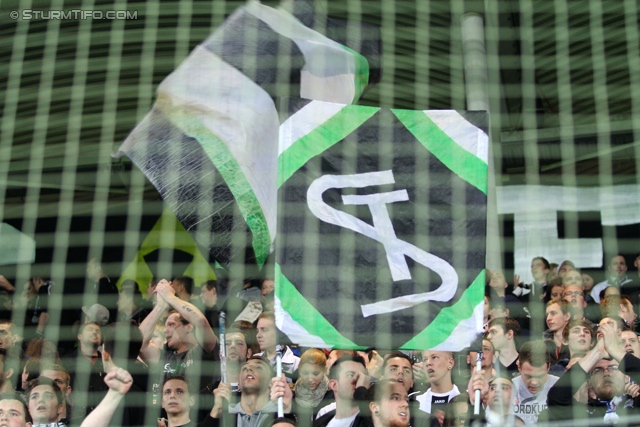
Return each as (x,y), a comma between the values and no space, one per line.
(382,224)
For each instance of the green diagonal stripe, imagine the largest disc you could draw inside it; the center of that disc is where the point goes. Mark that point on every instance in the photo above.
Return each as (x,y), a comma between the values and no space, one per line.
(321,138)
(306,314)
(233,176)
(361,79)
(460,161)
(446,321)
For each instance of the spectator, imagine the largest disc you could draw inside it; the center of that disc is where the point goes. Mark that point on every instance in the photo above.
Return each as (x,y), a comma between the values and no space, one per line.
(558,317)
(577,336)
(61,378)
(209,302)
(630,342)
(534,381)
(604,367)
(131,306)
(190,341)
(183,287)
(503,334)
(177,400)
(438,366)
(531,296)
(565,267)
(619,305)
(255,403)
(312,387)
(268,339)
(45,401)
(617,277)
(349,381)
(85,367)
(389,404)
(13,411)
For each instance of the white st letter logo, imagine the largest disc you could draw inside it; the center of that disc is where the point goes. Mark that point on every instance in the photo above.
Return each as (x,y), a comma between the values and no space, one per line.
(383,232)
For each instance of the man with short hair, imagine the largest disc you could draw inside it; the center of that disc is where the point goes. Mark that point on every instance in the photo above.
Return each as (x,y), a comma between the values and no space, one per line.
(61,378)
(617,277)
(190,341)
(604,367)
(630,342)
(534,381)
(438,366)
(183,287)
(267,337)
(256,408)
(8,338)
(209,302)
(45,401)
(14,411)
(389,404)
(557,317)
(503,334)
(619,305)
(398,367)
(349,381)
(177,400)
(574,295)
(500,400)
(531,296)
(577,336)
(237,354)
(85,368)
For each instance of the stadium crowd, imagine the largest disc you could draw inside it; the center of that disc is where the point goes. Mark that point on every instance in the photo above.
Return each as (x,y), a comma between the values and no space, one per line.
(561,348)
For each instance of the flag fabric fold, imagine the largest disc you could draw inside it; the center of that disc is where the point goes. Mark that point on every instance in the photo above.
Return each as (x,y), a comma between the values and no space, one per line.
(209,144)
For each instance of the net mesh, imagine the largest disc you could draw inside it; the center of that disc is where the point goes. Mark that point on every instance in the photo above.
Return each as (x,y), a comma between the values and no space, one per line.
(562,86)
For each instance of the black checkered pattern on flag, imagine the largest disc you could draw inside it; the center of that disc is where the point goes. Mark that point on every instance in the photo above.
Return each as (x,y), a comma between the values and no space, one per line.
(382,222)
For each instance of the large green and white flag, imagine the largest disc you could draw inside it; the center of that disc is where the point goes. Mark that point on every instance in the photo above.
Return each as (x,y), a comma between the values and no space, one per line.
(382,221)
(209,144)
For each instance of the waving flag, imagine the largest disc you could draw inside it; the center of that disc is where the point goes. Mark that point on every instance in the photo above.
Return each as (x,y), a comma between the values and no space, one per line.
(381,238)
(209,145)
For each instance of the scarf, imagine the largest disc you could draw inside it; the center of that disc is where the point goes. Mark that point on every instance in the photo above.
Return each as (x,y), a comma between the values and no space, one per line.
(307,398)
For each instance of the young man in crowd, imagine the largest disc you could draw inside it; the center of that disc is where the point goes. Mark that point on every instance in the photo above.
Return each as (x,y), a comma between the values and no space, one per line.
(630,343)
(86,370)
(558,317)
(13,411)
(388,404)
(183,287)
(209,302)
(617,277)
(349,381)
(61,378)
(604,367)
(577,336)
(191,345)
(619,305)
(503,334)
(438,366)
(534,381)
(267,337)
(257,404)
(45,401)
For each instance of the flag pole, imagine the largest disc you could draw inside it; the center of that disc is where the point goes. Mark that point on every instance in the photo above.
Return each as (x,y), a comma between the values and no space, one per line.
(476,404)
(279,374)
(222,317)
